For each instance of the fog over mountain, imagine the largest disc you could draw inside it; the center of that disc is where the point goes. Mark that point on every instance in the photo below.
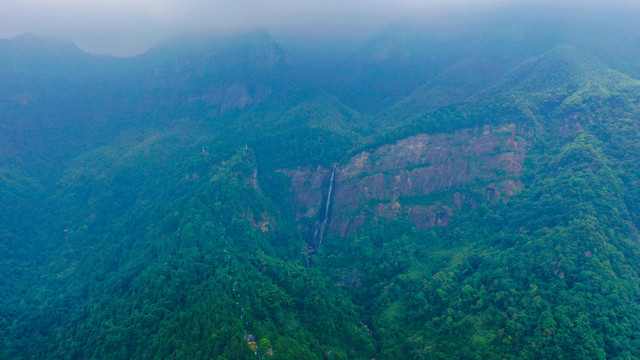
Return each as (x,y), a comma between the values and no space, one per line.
(129,27)
(319,180)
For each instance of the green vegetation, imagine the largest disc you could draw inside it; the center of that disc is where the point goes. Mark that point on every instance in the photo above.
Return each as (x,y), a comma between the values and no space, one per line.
(148,212)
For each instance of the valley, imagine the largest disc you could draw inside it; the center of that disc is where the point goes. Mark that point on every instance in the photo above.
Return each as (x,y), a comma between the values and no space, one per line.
(462,190)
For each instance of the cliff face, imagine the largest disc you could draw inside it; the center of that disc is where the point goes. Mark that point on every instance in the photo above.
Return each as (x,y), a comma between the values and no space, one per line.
(428,177)
(221,74)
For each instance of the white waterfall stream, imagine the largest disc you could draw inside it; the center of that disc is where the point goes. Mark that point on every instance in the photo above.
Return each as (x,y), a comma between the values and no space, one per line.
(323,228)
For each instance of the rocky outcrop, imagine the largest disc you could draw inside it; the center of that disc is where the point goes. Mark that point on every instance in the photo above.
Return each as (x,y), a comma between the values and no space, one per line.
(224,97)
(427,177)
(221,74)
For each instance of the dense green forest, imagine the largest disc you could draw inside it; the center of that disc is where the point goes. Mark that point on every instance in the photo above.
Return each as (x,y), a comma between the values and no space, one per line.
(459,191)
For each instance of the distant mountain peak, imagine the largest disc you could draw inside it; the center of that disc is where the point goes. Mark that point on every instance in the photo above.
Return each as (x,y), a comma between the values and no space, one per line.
(561,66)
(35,41)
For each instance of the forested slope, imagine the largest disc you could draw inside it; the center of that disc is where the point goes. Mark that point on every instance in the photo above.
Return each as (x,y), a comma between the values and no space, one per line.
(473,205)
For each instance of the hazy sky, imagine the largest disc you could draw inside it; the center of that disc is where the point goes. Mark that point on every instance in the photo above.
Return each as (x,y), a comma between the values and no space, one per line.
(130,26)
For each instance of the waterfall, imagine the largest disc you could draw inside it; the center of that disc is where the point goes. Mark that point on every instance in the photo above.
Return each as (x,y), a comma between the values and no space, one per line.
(323,228)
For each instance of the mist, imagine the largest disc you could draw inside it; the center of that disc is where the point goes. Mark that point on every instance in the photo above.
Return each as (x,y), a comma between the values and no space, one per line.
(124,28)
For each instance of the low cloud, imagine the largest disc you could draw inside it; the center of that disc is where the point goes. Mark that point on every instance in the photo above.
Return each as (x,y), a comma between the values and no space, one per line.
(126,27)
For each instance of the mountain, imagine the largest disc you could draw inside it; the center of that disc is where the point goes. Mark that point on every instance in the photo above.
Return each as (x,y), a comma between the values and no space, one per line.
(418,52)
(456,188)
(219,74)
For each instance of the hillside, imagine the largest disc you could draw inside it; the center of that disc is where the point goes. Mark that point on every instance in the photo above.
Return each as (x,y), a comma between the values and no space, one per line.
(445,192)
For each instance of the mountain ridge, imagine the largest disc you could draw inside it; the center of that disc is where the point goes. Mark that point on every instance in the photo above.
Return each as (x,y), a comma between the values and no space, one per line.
(488,210)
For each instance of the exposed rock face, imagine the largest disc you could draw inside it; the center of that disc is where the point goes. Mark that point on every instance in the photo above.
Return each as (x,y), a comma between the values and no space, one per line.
(223,74)
(308,185)
(428,177)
